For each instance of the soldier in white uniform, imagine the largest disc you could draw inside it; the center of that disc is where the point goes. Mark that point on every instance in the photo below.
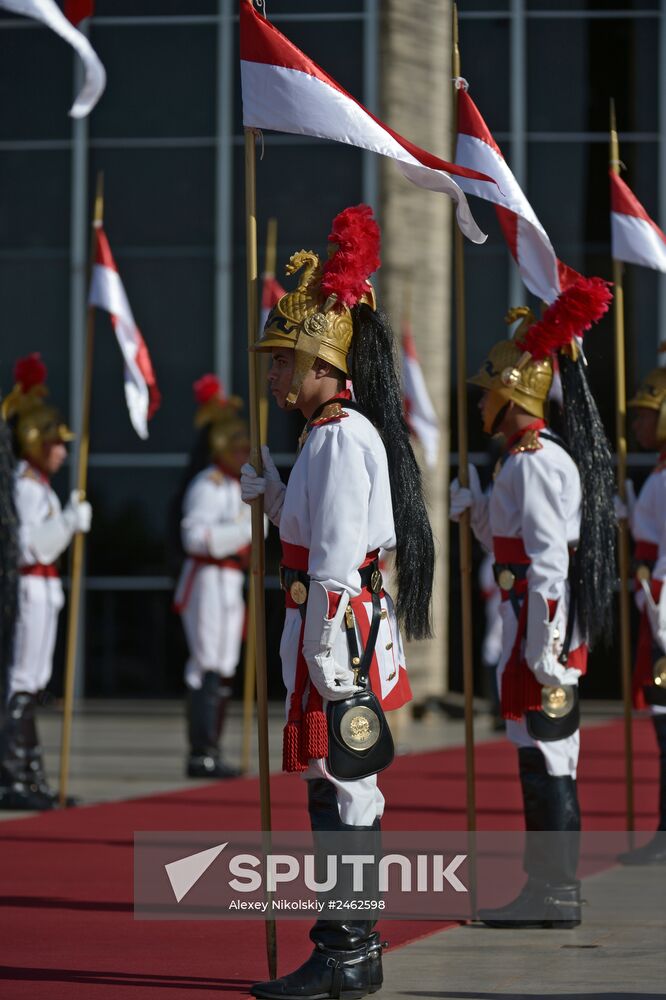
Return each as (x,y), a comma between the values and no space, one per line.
(8,550)
(648,527)
(344,502)
(215,529)
(45,531)
(549,523)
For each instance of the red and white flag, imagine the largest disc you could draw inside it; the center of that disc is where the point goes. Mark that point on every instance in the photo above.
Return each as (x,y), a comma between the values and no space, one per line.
(419,411)
(542,273)
(48,12)
(635,238)
(107,292)
(284,90)
(271,293)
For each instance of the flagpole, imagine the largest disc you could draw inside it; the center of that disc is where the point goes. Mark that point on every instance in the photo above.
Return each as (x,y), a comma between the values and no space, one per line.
(249,672)
(622,526)
(463,477)
(76,571)
(257,568)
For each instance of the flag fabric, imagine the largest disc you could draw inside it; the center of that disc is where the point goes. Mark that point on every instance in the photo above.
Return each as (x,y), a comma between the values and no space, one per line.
(107,292)
(284,90)
(542,273)
(419,411)
(77,10)
(48,12)
(271,293)
(635,238)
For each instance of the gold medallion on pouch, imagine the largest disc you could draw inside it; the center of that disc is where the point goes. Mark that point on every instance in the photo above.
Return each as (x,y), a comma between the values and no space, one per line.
(556,702)
(359,728)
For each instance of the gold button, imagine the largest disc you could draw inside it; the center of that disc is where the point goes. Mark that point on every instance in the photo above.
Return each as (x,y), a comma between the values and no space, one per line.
(389,645)
(643,572)
(356,660)
(384,614)
(298,592)
(391,676)
(506,579)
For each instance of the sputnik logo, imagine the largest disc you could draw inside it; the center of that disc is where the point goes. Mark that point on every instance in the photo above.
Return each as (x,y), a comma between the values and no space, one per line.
(186,872)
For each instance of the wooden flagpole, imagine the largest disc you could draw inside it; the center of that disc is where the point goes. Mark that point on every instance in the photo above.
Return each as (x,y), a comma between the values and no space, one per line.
(463,477)
(257,567)
(249,672)
(76,571)
(622,526)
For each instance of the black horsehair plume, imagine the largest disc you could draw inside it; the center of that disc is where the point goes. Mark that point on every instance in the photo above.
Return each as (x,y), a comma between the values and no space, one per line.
(378,393)
(8,548)
(595,563)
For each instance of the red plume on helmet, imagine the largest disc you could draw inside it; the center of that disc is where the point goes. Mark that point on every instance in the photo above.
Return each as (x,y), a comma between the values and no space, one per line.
(206,388)
(357,237)
(571,314)
(30,371)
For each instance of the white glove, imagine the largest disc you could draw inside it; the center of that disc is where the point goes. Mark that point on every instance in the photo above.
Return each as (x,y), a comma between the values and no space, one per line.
(624,509)
(462,498)
(77,514)
(543,645)
(270,484)
(322,639)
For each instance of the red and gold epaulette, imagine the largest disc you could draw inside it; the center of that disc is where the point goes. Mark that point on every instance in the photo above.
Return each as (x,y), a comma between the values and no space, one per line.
(331,414)
(528,442)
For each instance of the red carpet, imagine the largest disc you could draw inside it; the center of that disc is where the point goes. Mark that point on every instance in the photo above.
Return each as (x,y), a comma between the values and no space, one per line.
(68,930)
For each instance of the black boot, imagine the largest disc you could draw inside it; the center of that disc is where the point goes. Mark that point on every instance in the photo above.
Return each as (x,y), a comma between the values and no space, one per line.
(205,715)
(348,973)
(347,958)
(23,782)
(551,895)
(654,852)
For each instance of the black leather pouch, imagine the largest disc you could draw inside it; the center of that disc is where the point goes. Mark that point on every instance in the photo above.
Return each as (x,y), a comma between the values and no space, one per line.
(359,737)
(543,726)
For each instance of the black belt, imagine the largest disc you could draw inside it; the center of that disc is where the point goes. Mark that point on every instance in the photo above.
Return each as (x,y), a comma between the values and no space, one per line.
(371,579)
(518,571)
(506,575)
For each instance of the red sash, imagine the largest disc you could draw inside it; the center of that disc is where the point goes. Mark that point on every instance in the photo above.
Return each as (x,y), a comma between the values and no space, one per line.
(306,731)
(40,569)
(521,692)
(238,562)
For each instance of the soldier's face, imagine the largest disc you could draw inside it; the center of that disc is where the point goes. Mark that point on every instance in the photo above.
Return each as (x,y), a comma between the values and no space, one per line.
(644,426)
(280,374)
(54,455)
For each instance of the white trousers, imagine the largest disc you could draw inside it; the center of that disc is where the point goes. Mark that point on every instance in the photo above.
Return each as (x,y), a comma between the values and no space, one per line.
(360,802)
(40,601)
(561,756)
(213,622)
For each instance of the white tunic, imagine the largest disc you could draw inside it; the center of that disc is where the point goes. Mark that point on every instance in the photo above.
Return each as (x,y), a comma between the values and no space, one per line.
(648,518)
(536,497)
(648,524)
(216,524)
(338,507)
(40,597)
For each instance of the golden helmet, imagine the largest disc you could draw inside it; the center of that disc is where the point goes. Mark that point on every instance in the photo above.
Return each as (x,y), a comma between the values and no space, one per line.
(34,422)
(315,319)
(221,413)
(521,370)
(652,396)
(511,374)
